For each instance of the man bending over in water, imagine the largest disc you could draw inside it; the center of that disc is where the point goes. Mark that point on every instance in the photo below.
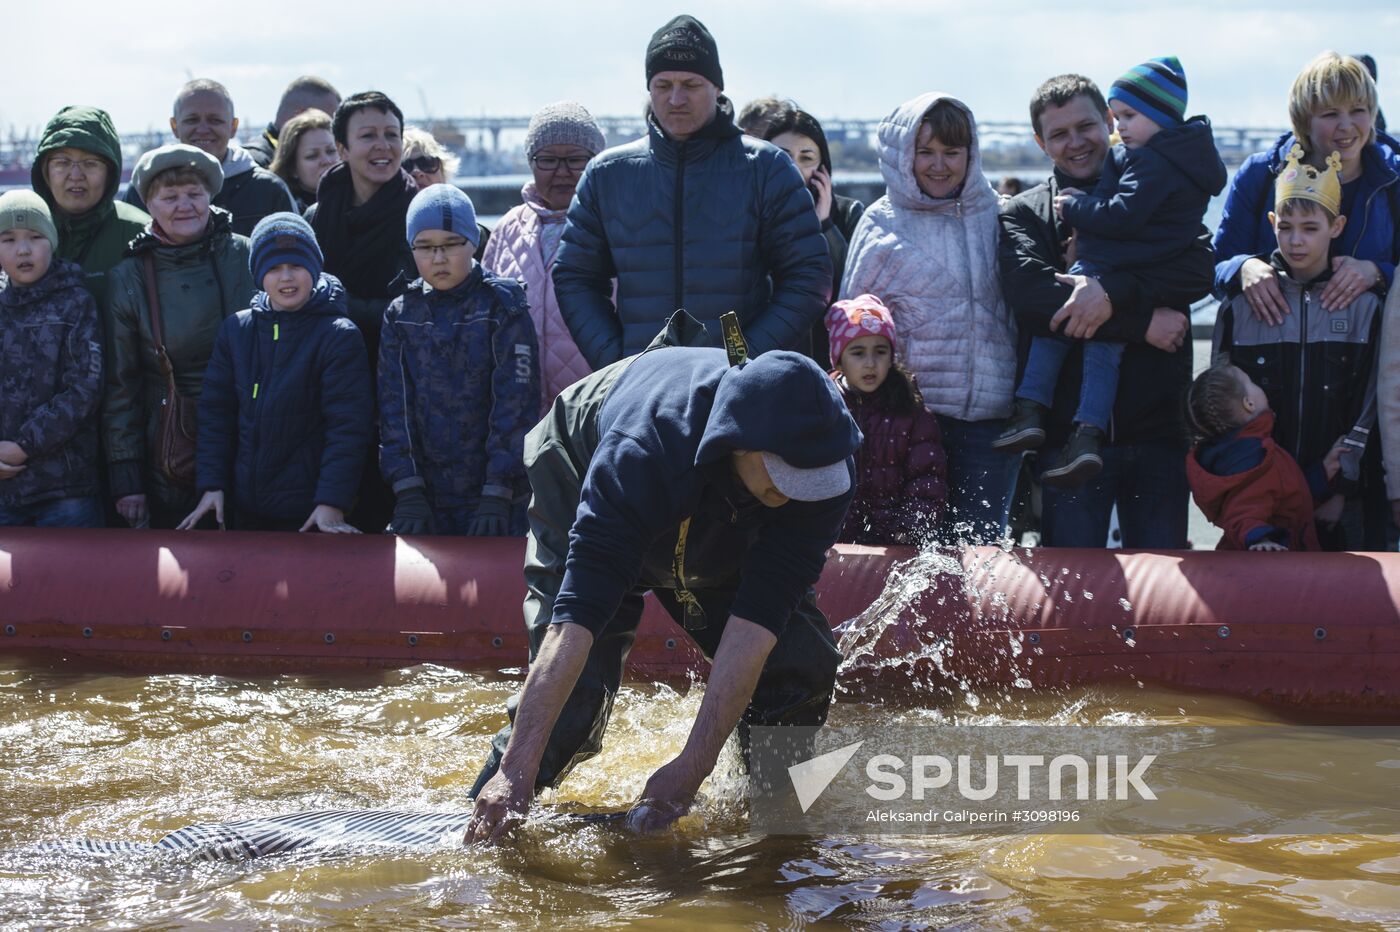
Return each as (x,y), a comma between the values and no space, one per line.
(718,488)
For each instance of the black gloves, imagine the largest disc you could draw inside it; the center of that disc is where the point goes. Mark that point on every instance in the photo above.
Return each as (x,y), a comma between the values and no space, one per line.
(412,513)
(491,519)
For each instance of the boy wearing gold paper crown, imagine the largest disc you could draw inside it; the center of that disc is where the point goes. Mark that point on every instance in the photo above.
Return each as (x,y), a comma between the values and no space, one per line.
(1317,367)
(1145,211)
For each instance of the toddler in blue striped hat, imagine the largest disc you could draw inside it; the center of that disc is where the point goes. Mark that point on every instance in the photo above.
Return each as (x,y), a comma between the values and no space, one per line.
(1145,211)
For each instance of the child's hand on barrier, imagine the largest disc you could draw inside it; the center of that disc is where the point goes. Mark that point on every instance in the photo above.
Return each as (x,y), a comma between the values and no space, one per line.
(212,501)
(328,520)
(1268,545)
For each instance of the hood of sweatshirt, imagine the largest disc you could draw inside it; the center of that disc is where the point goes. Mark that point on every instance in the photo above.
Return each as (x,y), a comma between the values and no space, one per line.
(237,161)
(1190,148)
(781,403)
(898,138)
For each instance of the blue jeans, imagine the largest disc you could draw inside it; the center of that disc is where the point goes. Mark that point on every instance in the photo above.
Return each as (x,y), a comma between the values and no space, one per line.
(60,512)
(1097,389)
(1148,483)
(981,481)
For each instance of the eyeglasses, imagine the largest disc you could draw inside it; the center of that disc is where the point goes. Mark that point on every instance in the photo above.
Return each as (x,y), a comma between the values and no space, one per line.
(63,165)
(424,252)
(550,163)
(426,164)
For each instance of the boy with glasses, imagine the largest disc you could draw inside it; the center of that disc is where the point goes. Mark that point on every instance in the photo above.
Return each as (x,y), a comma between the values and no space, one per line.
(458,382)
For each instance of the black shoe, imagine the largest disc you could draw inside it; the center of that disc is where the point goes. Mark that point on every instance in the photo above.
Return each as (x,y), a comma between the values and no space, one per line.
(1082,458)
(1025,430)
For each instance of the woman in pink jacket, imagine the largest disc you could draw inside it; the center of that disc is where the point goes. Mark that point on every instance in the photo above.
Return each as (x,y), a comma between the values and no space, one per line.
(561,139)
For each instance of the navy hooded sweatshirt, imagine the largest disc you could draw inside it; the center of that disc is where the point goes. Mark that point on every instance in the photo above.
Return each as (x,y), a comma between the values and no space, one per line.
(664,435)
(1148,204)
(287,411)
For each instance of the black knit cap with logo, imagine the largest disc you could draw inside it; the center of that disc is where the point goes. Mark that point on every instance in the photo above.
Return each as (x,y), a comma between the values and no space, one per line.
(684,44)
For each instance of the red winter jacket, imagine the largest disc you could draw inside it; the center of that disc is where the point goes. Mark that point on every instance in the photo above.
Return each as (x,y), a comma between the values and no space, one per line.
(1252,489)
(901,473)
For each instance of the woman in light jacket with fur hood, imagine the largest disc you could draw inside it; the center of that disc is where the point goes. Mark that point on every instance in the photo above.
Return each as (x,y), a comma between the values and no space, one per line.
(928,249)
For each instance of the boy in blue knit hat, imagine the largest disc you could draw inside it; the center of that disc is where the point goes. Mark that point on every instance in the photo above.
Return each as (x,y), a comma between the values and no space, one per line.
(459,382)
(287,410)
(1146,210)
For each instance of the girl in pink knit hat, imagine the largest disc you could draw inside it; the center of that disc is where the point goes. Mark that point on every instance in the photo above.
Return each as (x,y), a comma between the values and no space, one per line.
(901,469)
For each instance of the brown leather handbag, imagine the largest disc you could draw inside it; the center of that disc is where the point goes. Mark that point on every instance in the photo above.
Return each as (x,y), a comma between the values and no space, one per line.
(178,428)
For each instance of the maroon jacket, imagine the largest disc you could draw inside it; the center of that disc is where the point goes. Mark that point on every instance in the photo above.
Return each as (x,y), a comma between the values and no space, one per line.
(901,473)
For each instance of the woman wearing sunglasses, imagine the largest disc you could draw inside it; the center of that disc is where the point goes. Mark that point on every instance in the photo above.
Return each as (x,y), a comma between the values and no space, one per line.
(561,139)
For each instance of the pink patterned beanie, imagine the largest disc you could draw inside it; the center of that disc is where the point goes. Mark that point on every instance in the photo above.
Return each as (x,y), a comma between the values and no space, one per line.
(862,316)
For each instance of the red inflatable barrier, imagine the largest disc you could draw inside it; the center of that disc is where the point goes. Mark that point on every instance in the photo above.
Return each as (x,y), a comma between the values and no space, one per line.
(1316,632)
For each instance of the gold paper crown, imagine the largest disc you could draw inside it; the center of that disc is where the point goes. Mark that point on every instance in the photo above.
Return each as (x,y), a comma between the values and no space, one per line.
(1299,181)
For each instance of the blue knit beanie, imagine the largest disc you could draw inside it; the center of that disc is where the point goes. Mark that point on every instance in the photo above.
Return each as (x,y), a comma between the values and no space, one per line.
(443,207)
(1156,89)
(284,238)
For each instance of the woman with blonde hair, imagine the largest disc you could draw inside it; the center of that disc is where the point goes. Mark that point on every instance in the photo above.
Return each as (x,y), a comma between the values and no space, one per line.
(1332,108)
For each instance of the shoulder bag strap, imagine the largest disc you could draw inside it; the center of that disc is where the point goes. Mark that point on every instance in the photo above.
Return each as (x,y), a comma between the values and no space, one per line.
(153,299)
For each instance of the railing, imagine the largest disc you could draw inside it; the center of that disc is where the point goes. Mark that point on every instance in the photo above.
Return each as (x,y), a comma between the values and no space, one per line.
(482,135)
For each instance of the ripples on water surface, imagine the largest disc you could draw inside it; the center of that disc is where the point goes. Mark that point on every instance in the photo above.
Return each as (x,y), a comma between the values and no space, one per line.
(133,757)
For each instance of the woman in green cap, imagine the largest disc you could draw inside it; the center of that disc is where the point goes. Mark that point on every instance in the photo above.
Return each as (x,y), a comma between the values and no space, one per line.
(77,171)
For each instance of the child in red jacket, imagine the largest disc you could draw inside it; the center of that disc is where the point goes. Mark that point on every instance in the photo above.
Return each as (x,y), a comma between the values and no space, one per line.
(1243,481)
(901,469)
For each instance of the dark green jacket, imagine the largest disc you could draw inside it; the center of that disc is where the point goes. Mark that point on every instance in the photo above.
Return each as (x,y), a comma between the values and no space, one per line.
(199,285)
(96,240)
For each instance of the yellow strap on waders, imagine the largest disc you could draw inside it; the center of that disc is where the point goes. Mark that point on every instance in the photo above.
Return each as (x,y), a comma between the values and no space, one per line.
(734,343)
(694,614)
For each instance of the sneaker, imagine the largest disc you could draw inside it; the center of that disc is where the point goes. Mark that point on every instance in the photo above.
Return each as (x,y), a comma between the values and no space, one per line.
(1025,430)
(1082,459)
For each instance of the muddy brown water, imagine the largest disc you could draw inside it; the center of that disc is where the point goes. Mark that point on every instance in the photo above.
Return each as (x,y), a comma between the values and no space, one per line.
(134,757)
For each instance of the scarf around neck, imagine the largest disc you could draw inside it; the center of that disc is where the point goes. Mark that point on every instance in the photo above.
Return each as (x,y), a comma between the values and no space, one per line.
(366,247)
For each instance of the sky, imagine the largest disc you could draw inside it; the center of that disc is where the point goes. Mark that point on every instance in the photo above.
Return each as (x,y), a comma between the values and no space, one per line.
(835,57)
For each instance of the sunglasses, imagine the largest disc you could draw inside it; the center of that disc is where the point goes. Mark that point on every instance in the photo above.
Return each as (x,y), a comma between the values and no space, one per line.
(426,164)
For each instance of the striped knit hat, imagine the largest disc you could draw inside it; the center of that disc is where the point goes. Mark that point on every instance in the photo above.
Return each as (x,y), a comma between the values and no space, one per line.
(1156,89)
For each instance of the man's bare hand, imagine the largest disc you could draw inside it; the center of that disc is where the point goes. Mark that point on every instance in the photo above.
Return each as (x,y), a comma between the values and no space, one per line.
(668,796)
(500,806)
(1087,309)
(1259,283)
(1168,329)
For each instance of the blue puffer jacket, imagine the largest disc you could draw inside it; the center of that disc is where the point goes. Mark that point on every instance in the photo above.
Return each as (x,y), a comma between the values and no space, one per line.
(459,386)
(1370,233)
(286,415)
(719,222)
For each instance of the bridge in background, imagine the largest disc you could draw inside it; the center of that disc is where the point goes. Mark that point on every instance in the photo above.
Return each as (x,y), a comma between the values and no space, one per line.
(483,133)
(481,138)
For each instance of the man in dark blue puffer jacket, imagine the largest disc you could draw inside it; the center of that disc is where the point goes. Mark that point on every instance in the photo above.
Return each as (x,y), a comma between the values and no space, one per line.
(695,216)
